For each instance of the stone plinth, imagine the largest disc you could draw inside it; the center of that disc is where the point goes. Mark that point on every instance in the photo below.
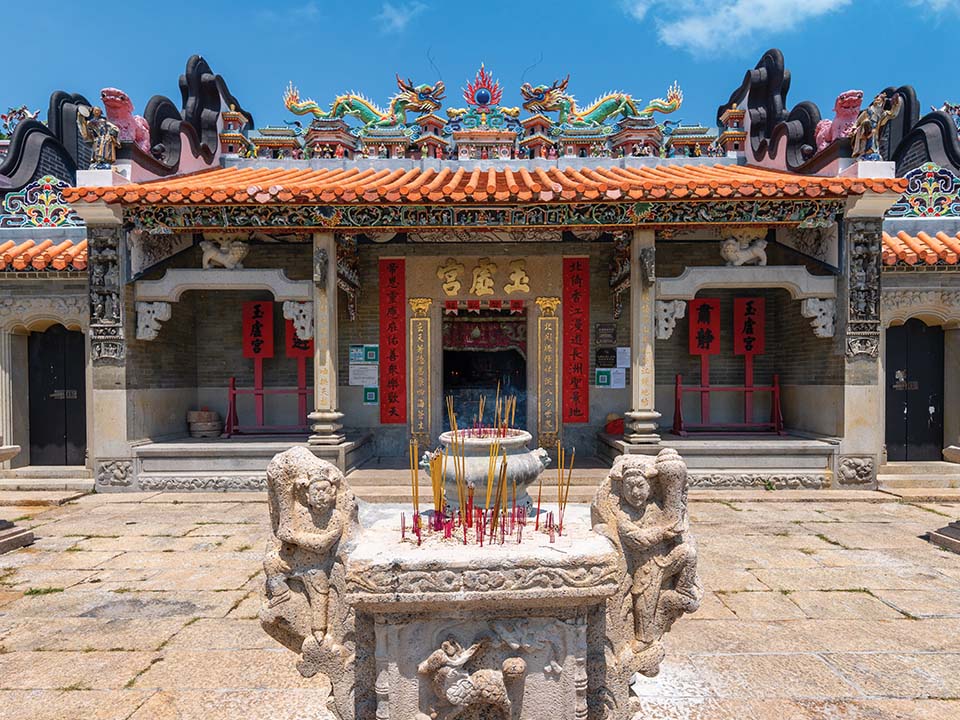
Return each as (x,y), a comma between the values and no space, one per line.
(522,614)
(529,629)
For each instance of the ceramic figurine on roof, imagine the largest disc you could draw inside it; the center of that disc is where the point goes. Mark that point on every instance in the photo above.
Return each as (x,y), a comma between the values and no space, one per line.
(119,107)
(102,135)
(13,117)
(483,95)
(865,139)
(555,98)
(419,99)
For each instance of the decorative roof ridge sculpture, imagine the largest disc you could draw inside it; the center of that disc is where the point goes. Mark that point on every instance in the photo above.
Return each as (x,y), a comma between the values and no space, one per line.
(420,99)
(555,98)
(483,95)
(790,139)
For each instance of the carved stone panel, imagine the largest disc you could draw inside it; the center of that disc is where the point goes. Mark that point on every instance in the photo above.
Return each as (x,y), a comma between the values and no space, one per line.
(863,294)
(106,296)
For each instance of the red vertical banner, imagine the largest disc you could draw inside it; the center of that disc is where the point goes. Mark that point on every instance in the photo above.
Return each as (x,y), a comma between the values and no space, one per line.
(749,325)
(576,340)
(704,326)
(393,345)
(295,346)
(258,329)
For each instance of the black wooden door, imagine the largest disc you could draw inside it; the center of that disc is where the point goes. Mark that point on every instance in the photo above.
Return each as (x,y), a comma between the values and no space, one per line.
(914,392)
(58,429)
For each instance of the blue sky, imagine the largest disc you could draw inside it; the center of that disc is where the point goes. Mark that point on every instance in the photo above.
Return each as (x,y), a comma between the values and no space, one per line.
(325,47)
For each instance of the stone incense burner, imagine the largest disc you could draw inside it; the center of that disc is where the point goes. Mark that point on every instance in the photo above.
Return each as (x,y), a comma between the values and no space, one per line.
(547,627)
(523,465)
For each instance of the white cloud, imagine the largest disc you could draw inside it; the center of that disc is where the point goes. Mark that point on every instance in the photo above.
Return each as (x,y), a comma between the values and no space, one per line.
(710,26)
(395,18)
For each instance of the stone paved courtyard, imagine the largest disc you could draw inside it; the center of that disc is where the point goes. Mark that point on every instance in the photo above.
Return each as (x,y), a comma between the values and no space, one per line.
(144,606)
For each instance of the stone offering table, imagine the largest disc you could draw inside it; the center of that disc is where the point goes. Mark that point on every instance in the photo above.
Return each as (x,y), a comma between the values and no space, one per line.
(515,621)
(444,629)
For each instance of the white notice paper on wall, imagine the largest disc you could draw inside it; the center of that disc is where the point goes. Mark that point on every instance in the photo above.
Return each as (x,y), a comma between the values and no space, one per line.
(623,357)
(364,374)
(618,376)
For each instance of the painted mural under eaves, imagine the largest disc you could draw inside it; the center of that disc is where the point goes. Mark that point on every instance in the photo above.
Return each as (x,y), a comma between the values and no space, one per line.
(548,122)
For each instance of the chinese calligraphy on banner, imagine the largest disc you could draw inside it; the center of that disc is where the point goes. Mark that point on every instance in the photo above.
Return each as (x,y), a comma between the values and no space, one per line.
(393,345)
(749,326)
(297,347)
(258,329)
(705,326)
(576,339)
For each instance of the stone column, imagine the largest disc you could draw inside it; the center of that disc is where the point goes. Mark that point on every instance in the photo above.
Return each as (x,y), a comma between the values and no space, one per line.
(951,394)
(6,393)
(325,418)
(862,395)
(641,420)
(109,448)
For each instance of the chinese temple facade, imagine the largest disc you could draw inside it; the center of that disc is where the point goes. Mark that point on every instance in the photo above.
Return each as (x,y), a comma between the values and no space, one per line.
(633,283)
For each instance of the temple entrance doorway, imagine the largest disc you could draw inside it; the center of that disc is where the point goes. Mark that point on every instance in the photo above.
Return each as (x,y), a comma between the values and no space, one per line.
(914,397)
(480,351)
(57,397)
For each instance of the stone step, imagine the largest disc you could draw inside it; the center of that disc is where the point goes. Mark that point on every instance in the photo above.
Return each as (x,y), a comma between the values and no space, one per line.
(12,537)
(44,472)
(920,468)
(947,537)
(48,484)
(924,494)
(398,478)
(919,481)
(16,497)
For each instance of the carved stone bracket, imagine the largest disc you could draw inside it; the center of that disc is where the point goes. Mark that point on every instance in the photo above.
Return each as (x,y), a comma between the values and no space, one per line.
(667,314)
(863,296)
(302,315)
(321,264)
(106,301)
(648,263)
(821,312)
(149,317)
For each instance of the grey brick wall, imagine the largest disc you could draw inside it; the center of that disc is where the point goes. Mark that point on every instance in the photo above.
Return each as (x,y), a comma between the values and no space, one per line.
(792,349)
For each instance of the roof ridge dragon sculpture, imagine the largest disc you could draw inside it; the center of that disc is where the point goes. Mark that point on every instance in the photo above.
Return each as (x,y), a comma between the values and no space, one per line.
(421,99)
(555,98)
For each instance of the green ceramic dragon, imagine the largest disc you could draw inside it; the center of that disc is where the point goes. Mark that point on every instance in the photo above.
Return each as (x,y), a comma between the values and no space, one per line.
(420,99)
(555,98)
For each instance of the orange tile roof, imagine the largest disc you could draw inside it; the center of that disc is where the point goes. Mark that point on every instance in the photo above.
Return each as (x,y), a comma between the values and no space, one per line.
(34,255)
(256,185)
(921,248)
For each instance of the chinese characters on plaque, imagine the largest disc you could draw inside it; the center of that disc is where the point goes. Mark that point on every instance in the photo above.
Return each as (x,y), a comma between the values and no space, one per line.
(393,346)
(420,368)
(705,326)
(258,329)
(548,330)
(576,339)
(749,326)
(482,277)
